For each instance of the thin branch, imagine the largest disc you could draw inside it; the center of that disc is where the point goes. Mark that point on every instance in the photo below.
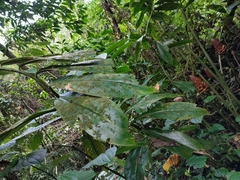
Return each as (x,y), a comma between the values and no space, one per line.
(44,172)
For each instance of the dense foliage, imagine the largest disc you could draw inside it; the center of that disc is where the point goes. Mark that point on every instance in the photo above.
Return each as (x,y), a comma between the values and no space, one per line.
(120,89)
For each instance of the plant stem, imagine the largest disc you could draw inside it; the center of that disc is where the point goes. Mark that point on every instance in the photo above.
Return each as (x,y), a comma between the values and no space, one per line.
(45,172)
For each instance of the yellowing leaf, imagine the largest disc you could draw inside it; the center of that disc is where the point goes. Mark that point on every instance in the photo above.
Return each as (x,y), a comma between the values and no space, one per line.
(171,161)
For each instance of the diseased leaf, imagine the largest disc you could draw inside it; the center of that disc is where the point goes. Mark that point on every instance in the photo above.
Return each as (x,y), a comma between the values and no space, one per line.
(148,100)
(77,175)
(136,163)
(108,132)
(176,136)
(175,111)
(99,117)
(171,161)
(35,157)
(93,66)
(103,158)
(104,85)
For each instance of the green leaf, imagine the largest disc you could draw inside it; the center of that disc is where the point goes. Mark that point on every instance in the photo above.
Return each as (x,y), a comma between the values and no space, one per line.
(237,119)
(77,175)
(35,157)
(221,172)
(163,52)
(103,158)
(121,49)
(138,7)
(140,19)
(209,99)
(123,69)
(92,147)
(21,123)
(217,8)
(108,85)
(35,52)
(186,87)
(28,131)
(99,117)
(93,66)
(108,132)
(36,141)
(8,169)
(197,120)
(136,163)
(233,5)
(196,161)
(115,46)
(189,3)
(176,136)
(4,72)
(175,111)
(233,175)
(8,156)
(188,128)
(180,43)
(168,6)
(183,151)
(59,160)
(148,100)
(216,127)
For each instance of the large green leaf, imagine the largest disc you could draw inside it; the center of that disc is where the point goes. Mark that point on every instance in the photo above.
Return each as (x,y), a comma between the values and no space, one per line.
(103,158)
(93,66)
(100,117)
(148,100)
(28,131)
(176,136)
(136,163)
(77,175)
(74,56)
(21,123)
(175,111)
(163,52)
(108,85)
(35,157)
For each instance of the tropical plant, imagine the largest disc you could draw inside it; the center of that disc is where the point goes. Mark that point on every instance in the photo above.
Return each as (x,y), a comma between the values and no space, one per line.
(126,106)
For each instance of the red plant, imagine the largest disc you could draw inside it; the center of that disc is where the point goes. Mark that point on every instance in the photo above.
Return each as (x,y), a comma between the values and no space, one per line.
(218,46)
(199,84)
